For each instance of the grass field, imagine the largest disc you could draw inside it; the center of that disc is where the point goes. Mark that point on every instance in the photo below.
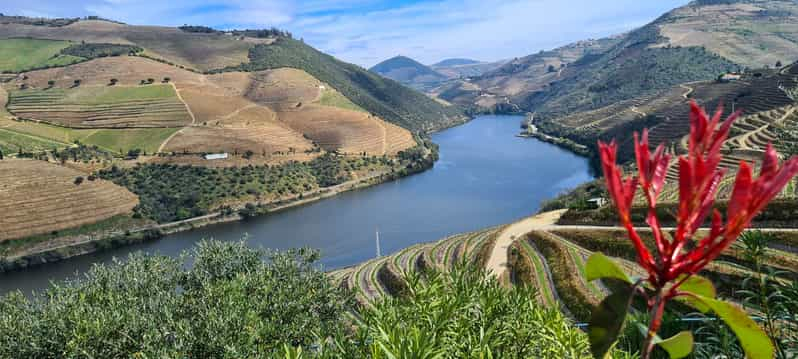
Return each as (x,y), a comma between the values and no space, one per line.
(101,106)
(17,55)
(147,139)
(32,136)
(12,142)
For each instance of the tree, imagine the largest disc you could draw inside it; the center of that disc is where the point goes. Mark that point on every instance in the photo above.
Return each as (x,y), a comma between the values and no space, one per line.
(113,82)
(778,63)
(551,68)
(1,155)
(76,83)
(672,263)
(51,83)
(78,180)
(166,80)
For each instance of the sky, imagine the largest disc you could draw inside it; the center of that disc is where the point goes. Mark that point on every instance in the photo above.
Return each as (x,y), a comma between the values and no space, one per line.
(366,32)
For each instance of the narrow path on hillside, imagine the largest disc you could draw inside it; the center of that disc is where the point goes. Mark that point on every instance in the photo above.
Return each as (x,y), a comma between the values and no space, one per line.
(188,109)
(742,140)
(689,90)
(635,110)
(497,262)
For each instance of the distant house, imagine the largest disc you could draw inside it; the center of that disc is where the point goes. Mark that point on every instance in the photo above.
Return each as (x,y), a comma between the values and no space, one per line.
(322,87)
(216,156)
(728,77)
(598,201)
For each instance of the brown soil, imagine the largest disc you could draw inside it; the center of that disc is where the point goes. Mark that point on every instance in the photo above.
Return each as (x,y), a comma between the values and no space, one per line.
(38,197)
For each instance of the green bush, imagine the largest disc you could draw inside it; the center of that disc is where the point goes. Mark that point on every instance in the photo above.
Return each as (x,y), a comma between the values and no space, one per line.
(461,314)
(235,302)
(91,51)
(171,192)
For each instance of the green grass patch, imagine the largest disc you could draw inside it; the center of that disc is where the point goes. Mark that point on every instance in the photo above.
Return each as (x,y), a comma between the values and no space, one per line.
(567,279)
(12,142)
(146,139)
(335,99)
(542,280)
(18,55)
(35,136)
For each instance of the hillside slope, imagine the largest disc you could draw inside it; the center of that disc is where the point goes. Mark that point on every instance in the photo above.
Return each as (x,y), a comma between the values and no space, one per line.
(383,97)
(214,52)
(408,71)
(694,42)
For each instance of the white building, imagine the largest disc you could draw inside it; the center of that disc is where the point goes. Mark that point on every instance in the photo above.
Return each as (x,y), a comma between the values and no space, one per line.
(216,156)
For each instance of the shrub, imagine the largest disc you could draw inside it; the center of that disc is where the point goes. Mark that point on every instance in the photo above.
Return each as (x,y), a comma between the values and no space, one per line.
(234,302)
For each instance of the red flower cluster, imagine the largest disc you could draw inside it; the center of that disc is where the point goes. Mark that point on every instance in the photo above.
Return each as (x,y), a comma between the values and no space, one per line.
(699,177)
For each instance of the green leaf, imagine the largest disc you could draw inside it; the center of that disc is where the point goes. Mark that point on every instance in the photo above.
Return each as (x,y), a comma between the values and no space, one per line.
(677,346)
(699,286)
(753,339)
(607,321)
(600,266)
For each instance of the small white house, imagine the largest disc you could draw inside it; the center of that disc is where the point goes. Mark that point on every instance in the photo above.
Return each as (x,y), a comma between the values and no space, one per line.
(216,156)
(598,201)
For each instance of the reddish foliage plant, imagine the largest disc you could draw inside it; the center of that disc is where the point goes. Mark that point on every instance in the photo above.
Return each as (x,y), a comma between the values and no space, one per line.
(673,262)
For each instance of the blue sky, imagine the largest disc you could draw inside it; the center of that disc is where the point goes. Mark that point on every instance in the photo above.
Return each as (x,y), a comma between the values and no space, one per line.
(368,31)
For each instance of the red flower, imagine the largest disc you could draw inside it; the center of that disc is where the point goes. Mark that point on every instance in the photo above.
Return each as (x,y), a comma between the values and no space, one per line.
(699,177)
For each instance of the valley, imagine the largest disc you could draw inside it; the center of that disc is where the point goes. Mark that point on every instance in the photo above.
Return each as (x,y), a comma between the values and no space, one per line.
(199,191)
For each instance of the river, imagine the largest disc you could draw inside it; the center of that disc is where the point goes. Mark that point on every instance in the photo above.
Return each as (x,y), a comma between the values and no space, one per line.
(485,176)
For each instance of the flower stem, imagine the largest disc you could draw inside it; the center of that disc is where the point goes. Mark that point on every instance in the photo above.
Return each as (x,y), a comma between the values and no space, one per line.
(656,313)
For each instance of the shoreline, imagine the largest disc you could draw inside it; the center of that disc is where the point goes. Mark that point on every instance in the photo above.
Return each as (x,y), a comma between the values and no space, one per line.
(118,239)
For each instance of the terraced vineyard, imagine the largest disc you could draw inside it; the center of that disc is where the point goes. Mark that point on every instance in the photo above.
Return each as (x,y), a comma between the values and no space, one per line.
(553,261)
(550,258)
(38,197)
(382,276)
(102,107)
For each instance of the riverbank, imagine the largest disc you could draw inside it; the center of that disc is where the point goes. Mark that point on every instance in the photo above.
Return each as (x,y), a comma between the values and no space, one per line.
(66,248)
(532,131)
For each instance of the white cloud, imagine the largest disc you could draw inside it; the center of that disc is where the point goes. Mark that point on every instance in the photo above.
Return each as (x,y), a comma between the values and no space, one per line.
(368,31)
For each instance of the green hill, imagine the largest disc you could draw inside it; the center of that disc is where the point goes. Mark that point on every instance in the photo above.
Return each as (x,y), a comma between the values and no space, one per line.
(409,72)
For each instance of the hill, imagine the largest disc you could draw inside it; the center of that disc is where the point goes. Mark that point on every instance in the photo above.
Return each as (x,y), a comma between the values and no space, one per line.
(94,96)
(463,68)
(694,42)
(58,42)
(383,97)
(454,62)
(408,71)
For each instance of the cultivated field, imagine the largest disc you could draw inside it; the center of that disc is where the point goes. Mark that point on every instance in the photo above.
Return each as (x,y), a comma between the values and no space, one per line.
(38,197)
(551,259)
(18,55)
(282,111)
(102,106)
(193,50)
(381,276)
(762,32)
(348,131)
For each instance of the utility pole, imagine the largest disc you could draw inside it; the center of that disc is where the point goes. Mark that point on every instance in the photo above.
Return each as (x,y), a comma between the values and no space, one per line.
(378,243)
